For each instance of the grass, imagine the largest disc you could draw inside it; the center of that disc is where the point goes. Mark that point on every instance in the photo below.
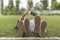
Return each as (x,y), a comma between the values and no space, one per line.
(7,24)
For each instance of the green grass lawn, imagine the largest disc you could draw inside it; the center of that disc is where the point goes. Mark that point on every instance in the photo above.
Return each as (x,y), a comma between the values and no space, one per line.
(7,24)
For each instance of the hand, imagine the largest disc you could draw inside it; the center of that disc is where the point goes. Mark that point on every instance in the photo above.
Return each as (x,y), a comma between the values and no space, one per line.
(29,9)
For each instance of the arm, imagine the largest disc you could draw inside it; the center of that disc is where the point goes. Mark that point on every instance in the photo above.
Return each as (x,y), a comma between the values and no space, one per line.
(32,12)
(22,17)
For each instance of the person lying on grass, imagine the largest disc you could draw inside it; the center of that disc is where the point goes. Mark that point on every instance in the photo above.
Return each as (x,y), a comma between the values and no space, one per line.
(35,25)
(23,16)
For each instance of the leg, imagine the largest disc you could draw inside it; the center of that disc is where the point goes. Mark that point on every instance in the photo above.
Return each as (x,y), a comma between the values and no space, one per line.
(26,26)
(43,26)
(20,30)
(37,24)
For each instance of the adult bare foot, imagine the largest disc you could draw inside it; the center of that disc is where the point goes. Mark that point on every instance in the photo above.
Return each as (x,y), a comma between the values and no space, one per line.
(37,24)
(20,29)
(43,25)
(26,26)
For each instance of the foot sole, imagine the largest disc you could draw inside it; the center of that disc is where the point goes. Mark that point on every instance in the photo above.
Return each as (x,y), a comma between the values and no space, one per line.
(20,29)
(42,30)
(37,24)
(26,26)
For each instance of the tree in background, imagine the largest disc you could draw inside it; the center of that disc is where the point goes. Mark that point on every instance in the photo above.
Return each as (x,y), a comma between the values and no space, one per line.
(30,3)
(1,6)
(9,9)
(58,6)
(45,4)
(17,6)
(11,4)
(38,6)
(53,4)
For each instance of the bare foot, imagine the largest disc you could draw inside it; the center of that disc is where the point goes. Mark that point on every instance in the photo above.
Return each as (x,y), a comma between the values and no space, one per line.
(26,26)
(37,24)
(43,26)
(20,29)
